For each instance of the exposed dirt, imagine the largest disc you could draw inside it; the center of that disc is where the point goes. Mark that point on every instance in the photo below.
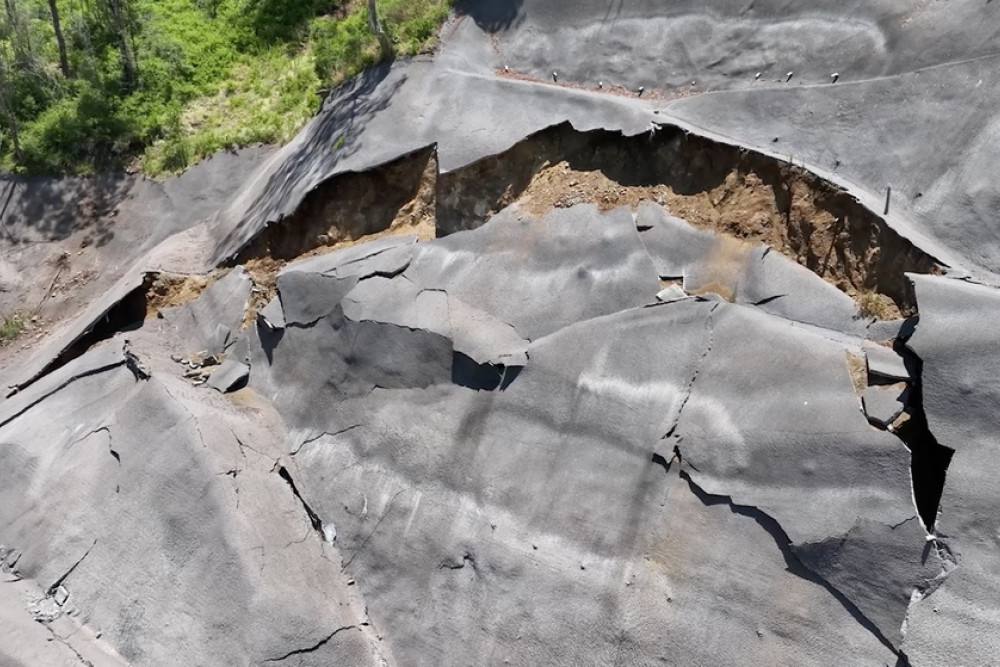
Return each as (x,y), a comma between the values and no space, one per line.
(742,194)
(397,198)
(746,197)
(857,368)
(166,290)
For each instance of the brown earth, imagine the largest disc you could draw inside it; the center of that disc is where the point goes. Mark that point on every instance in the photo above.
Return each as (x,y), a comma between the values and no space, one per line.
(396,198)
(167,290)
(744,195)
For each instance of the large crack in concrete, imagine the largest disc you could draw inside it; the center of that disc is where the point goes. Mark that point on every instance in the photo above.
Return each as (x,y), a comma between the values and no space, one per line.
(929,459)
(314,519)
(784,544)
(736,192)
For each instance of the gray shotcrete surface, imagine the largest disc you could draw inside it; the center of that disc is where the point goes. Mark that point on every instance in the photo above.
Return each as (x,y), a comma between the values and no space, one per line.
(596,434)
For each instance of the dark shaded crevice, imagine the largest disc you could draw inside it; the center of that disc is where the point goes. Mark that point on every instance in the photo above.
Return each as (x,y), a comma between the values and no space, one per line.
(792,562)
(269,338)
(126,315)
(314,519)
(660,461)
(465,372)
(315,647)
(56,390)
(350,206)
(929,459)
(768,300)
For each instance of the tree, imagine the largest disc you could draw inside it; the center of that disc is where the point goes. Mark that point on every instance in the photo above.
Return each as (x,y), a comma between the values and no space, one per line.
(119,14)
(376,27)
(63,60)
(6,108)
(18,34)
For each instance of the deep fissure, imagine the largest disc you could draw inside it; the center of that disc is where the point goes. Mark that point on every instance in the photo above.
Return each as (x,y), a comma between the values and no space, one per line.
(929,459)
(126,314)
(711,185)
(726,189)
(314,519)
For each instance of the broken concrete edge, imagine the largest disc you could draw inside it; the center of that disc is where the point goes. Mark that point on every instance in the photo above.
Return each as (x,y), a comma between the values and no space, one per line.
(229,376)
(364,249)
(804,169)
(89,331)
(905,229)
(78,329)
(235,256)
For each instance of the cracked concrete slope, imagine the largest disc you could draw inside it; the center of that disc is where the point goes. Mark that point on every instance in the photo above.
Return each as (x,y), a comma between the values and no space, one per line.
(864,548)
(435,474)
(524,442)
(958,341)
(224,541)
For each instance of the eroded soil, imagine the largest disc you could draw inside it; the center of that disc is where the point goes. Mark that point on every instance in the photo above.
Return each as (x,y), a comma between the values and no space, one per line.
(744,195)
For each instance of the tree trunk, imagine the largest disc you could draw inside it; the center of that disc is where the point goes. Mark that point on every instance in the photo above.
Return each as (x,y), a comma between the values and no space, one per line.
(130,76)
(19,37)
(7,113)
(376,27)
(63,60)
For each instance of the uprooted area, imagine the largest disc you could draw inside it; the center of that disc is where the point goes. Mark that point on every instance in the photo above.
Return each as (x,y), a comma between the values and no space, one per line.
(738,193)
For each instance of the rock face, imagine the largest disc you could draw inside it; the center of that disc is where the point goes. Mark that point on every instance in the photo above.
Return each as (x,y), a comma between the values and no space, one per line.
(609,381)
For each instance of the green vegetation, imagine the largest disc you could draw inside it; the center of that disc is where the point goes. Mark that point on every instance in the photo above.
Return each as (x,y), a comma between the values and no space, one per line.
(12,327)
(88,85)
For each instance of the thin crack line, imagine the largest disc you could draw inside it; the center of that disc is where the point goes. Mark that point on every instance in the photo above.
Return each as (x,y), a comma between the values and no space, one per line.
(332,434)
(314,647)
(372,533)
(68,572)
(69,381)
(710,328)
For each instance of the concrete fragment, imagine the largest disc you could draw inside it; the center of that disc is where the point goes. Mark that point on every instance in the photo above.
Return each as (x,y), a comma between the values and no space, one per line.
(272,314)
(883,404)
(885,363)
(228,376)
(671,293)
(211,322)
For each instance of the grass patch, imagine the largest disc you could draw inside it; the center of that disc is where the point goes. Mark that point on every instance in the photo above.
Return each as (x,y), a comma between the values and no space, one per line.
(266,99)
(12,327)
(212,74)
